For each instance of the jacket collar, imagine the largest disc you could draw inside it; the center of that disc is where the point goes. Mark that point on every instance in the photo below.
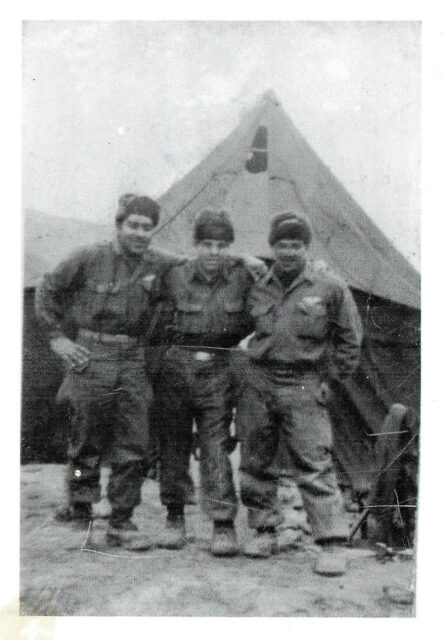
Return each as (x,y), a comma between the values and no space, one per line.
(133,262)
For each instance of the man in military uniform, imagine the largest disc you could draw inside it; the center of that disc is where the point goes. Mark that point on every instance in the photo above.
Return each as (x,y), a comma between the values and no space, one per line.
(307,331)
(208,296)
(104,290)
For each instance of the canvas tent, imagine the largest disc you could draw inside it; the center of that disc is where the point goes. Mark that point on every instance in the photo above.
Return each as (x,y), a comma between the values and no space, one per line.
(264,167)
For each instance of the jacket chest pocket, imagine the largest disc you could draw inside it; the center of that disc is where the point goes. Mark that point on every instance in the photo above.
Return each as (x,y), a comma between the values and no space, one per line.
(189,317)
(264,317)
(311,319)
(95,297)
(113,297)
(232,316)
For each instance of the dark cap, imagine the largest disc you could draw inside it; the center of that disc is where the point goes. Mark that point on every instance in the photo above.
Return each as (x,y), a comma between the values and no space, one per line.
(289,226)
(213,225)
(131,203)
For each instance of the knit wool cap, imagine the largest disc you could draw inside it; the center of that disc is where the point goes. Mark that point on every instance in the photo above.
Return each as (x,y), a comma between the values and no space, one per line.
(289,226)
(213,225)
(130,204)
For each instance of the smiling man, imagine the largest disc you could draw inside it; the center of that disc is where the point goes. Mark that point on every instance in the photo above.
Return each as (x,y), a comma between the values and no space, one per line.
(105,291)
(307,331)
(207,296)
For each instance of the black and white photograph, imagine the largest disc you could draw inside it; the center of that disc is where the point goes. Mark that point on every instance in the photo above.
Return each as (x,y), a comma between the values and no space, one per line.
(221,338)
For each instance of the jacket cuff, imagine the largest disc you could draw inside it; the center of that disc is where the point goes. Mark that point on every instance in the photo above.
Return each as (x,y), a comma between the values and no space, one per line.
(55,332)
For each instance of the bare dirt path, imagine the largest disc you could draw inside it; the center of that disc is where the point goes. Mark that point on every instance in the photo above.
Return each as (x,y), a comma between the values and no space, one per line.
(59,578)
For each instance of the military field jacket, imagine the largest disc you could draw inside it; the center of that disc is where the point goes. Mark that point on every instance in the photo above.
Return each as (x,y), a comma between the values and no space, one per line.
(99,288)
(209,312)
(314,321)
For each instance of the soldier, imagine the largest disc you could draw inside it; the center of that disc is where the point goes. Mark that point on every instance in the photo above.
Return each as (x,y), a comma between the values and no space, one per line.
(307,331)
(105,290)
(208,296)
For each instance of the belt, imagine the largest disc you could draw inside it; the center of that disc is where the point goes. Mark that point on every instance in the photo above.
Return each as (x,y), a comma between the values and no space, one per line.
(203,356)
(109,338)
(284,368)
(202,353)
(206,341)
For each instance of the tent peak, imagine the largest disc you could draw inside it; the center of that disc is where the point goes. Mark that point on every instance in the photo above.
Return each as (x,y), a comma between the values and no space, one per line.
(264,167)
(270,97)
(261,105)
(267,100)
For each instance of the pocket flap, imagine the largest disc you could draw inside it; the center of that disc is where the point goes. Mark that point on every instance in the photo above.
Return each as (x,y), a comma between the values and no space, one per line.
(261,309)
(189,307)
(233,306)
(312,307)
(107,287)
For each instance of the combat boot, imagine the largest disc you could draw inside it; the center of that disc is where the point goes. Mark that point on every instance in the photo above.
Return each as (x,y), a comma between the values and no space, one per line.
(224,541)
(121,529)
(173,535)
(79,513)
(262,545)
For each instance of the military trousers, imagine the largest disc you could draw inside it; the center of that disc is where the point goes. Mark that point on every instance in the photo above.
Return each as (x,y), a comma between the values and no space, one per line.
(278,408)
(108,406)
(196,386)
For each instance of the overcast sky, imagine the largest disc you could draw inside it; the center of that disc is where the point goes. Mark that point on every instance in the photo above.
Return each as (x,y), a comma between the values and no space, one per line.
(111,107)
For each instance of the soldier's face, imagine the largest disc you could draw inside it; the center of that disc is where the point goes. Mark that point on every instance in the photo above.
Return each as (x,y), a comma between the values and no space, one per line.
(289,254)
(135,234)
(211,253)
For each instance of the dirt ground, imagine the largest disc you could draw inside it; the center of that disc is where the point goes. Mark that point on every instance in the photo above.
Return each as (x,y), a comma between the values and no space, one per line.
(67,572)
